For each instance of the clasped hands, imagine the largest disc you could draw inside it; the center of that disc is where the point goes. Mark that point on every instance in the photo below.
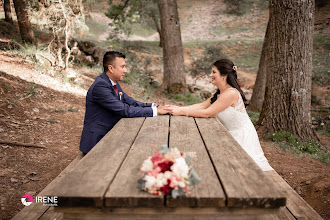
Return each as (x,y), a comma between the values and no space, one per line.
(170,109)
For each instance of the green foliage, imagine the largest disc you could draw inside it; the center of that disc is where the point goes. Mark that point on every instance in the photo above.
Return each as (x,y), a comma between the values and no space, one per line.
(127,13)
(324,132)
(315,100)
(222,31)
(51,121)
(6,88)
(187,97)
(254,116)
(245,53)
(12,101)
(73,110)
(241,7)
(32,88)
(238,7)
(59,110)
(139,75)
(203,64)
(95,28)
(289,142)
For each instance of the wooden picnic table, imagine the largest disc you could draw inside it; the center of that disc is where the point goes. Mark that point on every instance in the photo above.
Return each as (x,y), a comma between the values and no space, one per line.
(104,183)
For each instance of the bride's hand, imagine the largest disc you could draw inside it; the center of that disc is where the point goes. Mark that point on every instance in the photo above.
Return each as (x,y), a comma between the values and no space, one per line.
(174,110)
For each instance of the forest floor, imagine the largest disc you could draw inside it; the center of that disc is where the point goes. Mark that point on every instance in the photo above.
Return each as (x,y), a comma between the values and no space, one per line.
(35,108)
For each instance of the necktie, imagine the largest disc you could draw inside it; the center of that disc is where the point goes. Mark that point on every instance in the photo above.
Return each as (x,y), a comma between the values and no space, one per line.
(116,90)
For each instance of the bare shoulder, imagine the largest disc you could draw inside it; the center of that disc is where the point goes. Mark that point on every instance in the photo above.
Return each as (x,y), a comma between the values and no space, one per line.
(230,96)
(230,93)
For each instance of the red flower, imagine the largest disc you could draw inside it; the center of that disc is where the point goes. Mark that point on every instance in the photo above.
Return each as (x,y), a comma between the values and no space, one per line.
(156,158)
(165,189)
(165,166)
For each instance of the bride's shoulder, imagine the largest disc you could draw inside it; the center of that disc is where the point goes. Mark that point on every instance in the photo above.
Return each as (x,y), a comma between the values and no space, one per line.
(231,92)
(232,95)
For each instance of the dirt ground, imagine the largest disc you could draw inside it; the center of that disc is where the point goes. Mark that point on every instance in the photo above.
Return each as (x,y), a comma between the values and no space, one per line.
(51,115)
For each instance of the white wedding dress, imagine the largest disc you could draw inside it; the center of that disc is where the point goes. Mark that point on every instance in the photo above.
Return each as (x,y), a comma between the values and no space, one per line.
(239,125)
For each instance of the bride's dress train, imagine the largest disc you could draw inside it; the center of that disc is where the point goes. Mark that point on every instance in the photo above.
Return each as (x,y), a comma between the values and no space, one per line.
(239,125)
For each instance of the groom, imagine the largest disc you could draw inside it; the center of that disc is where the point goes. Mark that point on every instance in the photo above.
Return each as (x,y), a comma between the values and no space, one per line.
(106,103)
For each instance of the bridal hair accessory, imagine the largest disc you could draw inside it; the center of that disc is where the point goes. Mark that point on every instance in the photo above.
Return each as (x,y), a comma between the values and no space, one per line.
(167,172)
(235,68)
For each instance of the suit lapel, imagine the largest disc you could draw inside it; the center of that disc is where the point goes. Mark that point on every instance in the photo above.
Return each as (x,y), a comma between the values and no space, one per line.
(106,78)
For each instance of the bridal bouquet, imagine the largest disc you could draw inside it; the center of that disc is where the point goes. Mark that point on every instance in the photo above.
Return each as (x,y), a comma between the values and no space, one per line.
(167,173)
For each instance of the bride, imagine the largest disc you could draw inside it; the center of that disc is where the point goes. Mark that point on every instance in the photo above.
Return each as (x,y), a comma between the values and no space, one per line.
(228,104)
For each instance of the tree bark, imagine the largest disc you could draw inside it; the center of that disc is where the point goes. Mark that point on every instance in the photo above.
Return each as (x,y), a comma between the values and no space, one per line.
(259,88)
(287,102)
(158,28)
(66,37)
(24,24)
(7,9)
(174,75)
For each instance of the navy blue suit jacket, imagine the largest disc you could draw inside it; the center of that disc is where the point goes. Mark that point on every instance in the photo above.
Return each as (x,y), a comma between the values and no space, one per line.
(104,109)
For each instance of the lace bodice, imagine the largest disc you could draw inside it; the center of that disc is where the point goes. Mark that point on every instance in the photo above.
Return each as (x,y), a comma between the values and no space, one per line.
(235,117)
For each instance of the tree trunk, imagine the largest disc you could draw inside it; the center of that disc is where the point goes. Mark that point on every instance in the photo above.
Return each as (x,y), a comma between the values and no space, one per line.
(24,24)
(7,9)
(174,75)
(59,61)
(258,94)
(66,37)
(159,30)
(287,102)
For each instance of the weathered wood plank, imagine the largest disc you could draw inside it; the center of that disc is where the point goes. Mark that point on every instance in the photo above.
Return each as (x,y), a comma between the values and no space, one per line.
(297,205)
(51,214)
(87,183)
(177,213)
(281,215)
(36,210)
(123,192)
(243,181)
(208,193)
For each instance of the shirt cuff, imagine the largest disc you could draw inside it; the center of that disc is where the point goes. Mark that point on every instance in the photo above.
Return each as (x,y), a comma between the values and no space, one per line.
(154,110)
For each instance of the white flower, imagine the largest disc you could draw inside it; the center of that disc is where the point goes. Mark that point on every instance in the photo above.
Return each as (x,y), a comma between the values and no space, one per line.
(180,167)
(181,184)
(147,165)
(168,174)
(160,180)
(175,152)
(150,181)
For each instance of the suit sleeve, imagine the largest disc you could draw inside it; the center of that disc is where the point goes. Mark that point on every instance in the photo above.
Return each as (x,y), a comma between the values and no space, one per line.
(103,96)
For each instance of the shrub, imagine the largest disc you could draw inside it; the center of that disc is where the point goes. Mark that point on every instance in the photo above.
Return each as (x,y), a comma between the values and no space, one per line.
(289,142)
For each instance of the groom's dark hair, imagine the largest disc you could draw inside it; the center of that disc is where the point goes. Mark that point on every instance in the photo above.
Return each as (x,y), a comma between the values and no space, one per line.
(109,57)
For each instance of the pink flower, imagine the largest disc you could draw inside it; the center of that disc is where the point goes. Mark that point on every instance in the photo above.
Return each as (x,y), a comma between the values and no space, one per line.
(154,172)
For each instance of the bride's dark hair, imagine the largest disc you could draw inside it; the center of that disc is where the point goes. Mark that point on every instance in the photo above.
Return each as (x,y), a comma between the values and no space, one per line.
(226,67)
